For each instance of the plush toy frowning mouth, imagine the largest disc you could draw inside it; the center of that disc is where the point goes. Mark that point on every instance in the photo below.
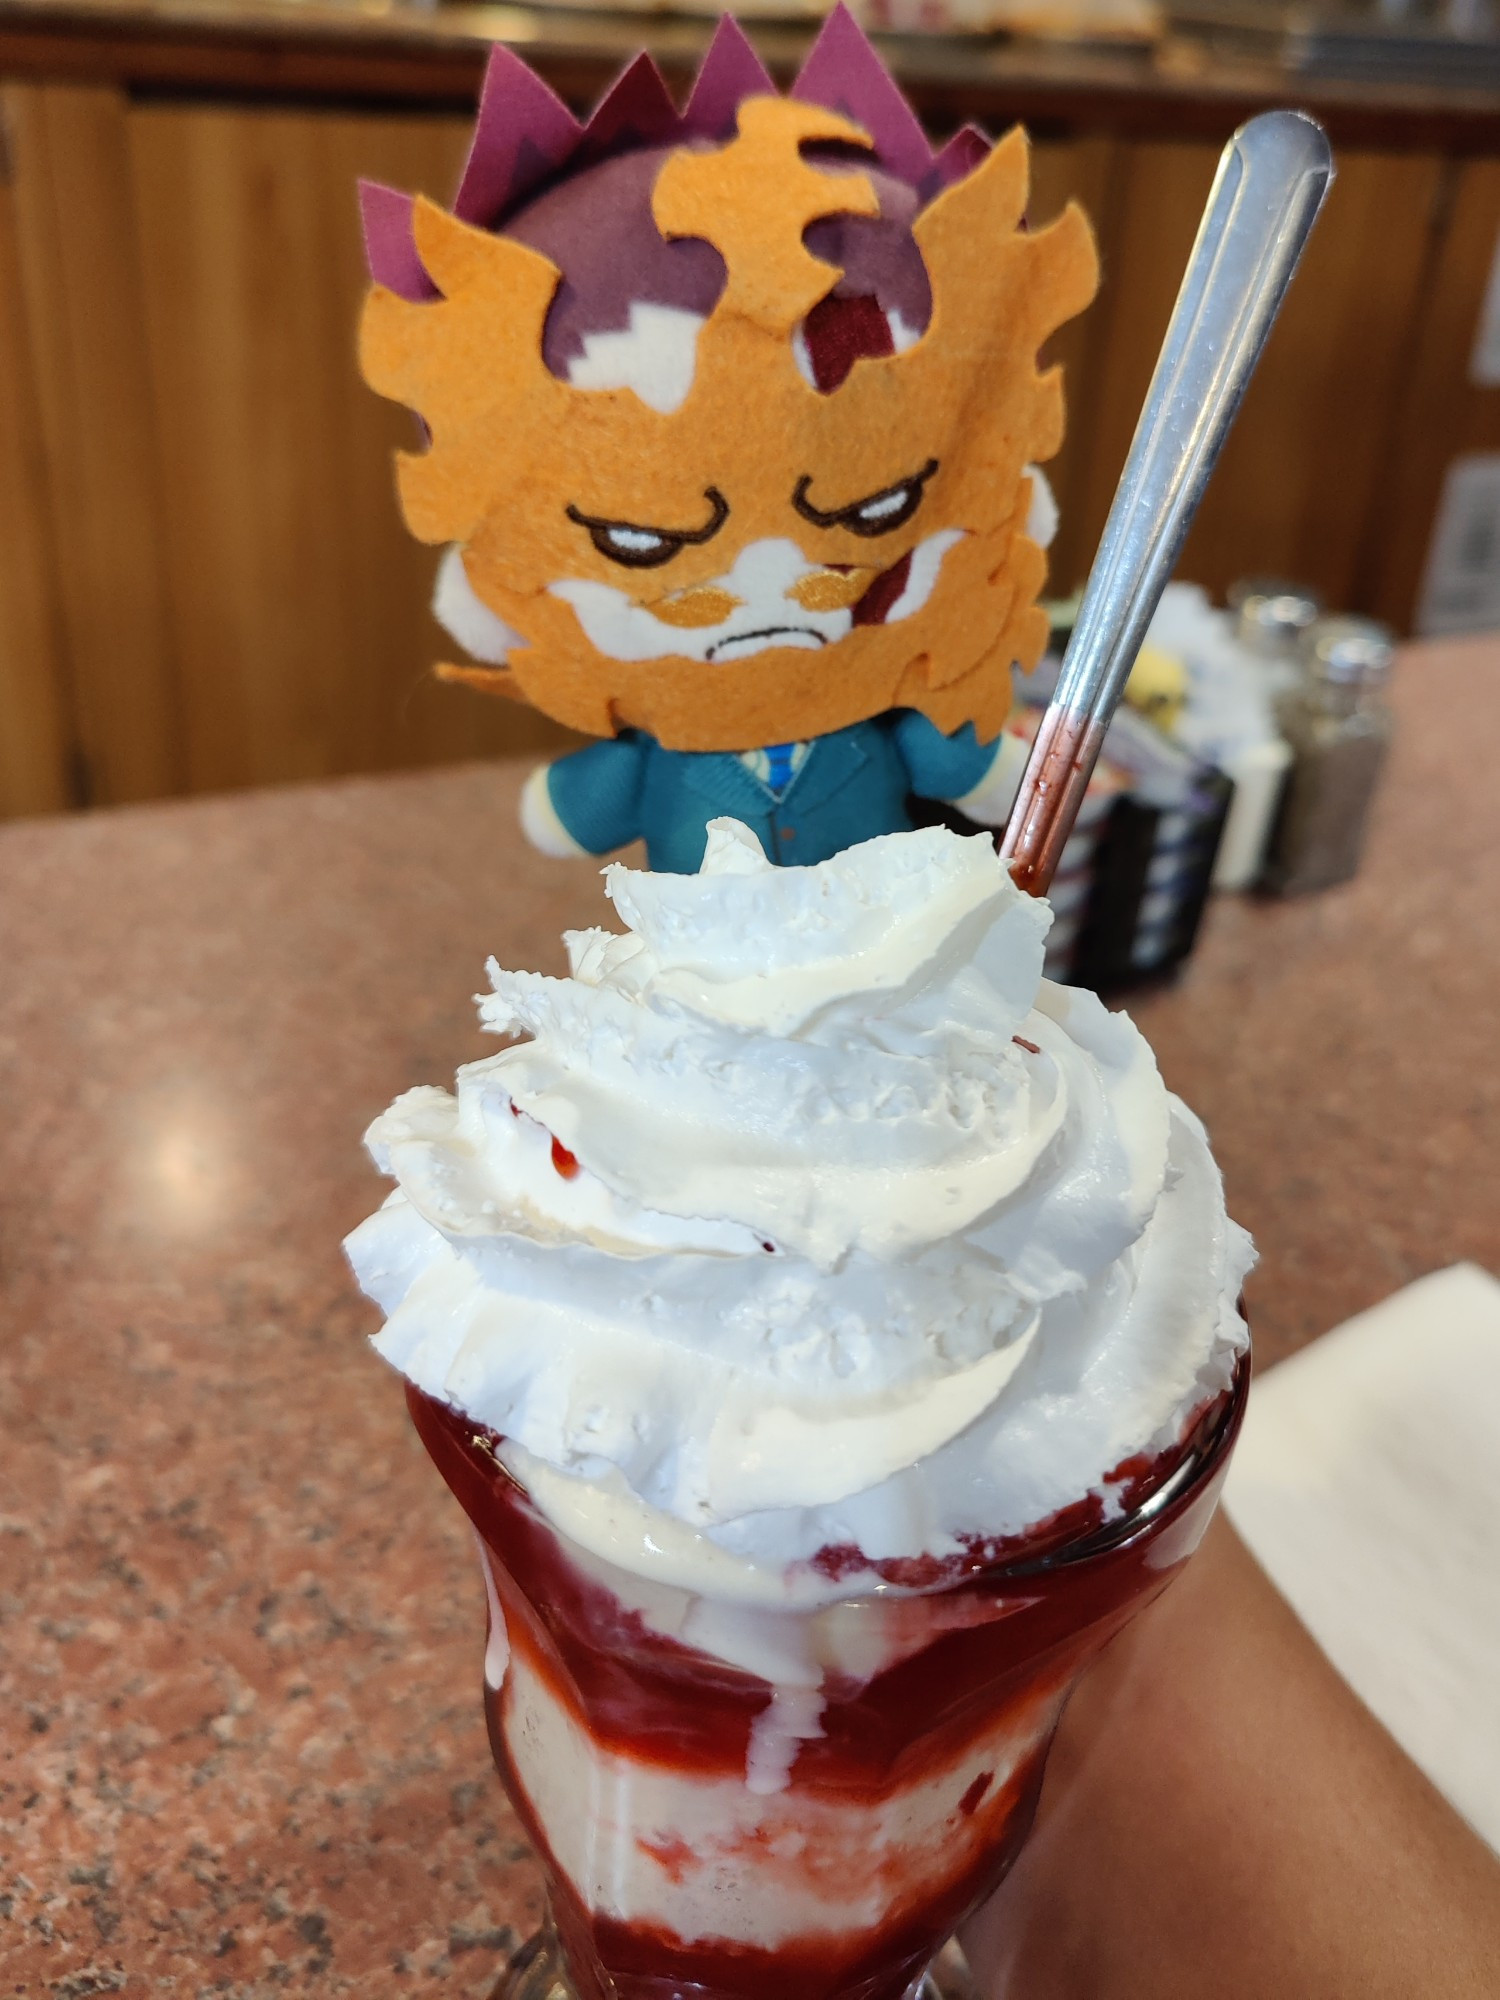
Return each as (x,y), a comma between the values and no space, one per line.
(783,635)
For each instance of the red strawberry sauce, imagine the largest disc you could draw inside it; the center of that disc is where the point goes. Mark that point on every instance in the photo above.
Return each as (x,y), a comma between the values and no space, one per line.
(1000,1631)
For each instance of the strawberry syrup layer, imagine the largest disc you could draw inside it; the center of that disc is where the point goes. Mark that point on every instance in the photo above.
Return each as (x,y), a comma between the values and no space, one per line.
(625,1750)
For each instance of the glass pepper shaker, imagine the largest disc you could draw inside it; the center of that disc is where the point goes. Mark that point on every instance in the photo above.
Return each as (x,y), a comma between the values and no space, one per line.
(1339,728)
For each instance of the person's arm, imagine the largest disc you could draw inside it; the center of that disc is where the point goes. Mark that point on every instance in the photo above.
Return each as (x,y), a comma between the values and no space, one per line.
(1223,1818)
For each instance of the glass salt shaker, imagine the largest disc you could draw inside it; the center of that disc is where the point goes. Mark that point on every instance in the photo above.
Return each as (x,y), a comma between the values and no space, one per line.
(1339,729)
(1272,618)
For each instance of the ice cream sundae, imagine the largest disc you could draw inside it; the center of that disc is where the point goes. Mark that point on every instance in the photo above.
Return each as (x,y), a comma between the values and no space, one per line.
(830,1328)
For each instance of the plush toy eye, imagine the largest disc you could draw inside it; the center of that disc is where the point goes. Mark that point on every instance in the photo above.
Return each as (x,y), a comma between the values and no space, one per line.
(638,547)
(877,514)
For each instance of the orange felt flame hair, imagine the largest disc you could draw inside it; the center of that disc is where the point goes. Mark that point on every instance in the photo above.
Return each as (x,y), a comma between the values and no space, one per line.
(514,448)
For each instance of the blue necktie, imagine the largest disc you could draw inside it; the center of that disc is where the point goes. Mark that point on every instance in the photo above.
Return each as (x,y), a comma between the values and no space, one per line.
(779,761)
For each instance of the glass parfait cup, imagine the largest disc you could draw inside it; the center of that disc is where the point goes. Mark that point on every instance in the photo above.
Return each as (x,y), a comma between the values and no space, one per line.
(816,1830)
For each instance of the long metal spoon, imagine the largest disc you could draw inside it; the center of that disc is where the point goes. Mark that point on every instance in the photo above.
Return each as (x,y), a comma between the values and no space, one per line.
(1270,184)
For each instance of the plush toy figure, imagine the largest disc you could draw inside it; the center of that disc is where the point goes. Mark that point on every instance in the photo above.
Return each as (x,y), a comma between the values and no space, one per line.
(732,424)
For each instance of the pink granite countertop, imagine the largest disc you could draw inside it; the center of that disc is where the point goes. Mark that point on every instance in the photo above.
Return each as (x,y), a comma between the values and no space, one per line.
(241,1748)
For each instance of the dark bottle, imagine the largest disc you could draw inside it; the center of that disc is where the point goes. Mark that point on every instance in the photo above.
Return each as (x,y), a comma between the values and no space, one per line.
(1339,729)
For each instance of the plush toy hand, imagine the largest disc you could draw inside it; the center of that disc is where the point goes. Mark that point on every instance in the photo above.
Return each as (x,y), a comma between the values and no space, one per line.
(539,820)
(989,802)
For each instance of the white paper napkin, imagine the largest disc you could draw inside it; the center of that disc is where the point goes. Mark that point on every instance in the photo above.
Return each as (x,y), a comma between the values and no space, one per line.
(1367,1482)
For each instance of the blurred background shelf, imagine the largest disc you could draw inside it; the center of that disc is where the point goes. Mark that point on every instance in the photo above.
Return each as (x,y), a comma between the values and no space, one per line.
(204,583)
(1445,42)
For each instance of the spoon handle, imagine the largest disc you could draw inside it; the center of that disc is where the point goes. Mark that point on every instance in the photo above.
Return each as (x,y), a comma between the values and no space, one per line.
(1270,184)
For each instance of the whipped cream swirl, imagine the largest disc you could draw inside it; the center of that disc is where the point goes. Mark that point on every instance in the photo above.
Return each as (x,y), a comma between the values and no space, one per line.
(805,1215)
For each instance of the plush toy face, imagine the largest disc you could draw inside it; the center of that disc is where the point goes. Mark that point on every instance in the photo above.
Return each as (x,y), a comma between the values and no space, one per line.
(713,547)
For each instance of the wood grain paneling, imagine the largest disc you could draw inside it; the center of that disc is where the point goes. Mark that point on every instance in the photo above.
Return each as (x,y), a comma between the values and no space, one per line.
(80,281)
(1442,414)
(1157,195)
(1306,467)
(35,724)
(1085,171)
(300,597)
(205,579)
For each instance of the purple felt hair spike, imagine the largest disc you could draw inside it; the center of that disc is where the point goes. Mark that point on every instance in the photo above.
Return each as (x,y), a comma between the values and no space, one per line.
(731,72)
(843,73)
(523,134)
(525,137)
(390,250)
(963,153)
(636,110)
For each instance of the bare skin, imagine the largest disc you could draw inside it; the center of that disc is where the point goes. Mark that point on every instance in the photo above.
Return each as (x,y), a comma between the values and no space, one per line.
(1222,1817)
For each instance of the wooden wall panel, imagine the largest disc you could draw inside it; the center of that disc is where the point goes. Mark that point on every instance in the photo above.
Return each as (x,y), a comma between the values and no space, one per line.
(205,581)
(36,749)
(1442,414)
(80,281)
(1305,469)
(300,597)
(1086,171)
(1157,196)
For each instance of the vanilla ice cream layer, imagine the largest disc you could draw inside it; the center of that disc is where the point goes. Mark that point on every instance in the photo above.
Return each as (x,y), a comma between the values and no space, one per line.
(806,1214)
(706,1858)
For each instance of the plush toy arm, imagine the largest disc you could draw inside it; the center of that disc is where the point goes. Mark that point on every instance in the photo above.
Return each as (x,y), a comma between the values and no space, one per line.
(539,820)
(588,802)
(981,779)
(990,801)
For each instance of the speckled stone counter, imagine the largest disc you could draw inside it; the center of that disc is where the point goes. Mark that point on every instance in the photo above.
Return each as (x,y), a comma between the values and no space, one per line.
(240,1621)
